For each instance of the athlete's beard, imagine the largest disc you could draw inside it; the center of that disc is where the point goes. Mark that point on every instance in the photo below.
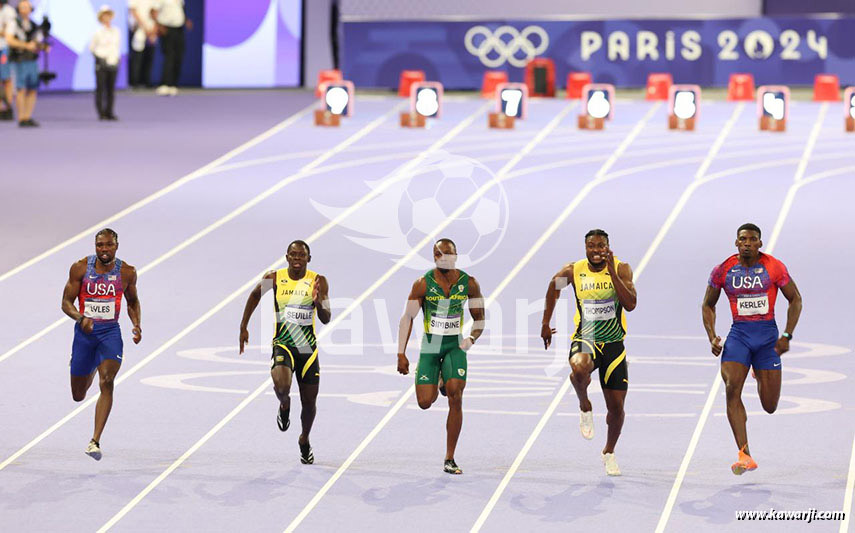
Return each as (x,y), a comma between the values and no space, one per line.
(445,264)
(107,262)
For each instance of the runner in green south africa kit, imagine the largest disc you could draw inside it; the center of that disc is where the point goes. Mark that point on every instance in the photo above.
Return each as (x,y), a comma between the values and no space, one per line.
(442,294)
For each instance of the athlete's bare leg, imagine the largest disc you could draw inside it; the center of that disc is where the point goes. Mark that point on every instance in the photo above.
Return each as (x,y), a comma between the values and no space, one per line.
(769,388)
(615,416)
(81,384)
(282,385)
(734,375)
(454,423)
(107,371)
(581,365)
(308,399)
(426,395)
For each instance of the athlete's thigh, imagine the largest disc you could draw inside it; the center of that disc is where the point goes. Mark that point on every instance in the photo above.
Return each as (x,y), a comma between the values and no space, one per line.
(454,366)
(583,356)
(282,376)
(308,392)
(768,385)
(110,348)
(614,371)
(307,370)
(84,356)
(734,373)
(737,348)
(108,369)
(614,398)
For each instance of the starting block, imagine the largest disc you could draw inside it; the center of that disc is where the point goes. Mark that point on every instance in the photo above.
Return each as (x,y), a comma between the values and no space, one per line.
(326,76)
(412,120)
(826,88)
(500,121)
(773,106)
(425,103)
(598,107)
(575,82)
(849,108)
(492,79)
(408,78)
(740,87)
(684,106)
(336,102)
(540,77)
(658,84)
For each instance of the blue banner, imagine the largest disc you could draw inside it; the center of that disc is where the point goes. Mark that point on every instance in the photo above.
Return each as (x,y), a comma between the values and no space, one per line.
(787,51)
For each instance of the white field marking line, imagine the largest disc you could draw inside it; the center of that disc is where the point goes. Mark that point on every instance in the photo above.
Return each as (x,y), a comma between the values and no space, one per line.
(800,173)
(88,232)
(304,172)
(122,377)
(847,493)
(403,171)
(716,384)
(599,177)
(502,173)
(553,405)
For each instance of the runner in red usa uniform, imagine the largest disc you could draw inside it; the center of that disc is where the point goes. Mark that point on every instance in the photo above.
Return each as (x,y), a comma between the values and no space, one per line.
(750,280)
(98,283)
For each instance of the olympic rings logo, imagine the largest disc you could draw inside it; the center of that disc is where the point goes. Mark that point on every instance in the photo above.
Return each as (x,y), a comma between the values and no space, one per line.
(506,43)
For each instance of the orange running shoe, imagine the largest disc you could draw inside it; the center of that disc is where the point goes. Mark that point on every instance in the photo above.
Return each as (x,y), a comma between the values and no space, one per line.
(744,464)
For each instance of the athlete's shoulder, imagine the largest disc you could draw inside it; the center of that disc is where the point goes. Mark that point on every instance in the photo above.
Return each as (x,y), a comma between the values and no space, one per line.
(768,260)
(128,271)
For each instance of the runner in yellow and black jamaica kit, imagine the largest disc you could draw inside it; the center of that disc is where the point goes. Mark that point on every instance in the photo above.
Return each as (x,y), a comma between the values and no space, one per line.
(604,292)
(442,294)
(300,295)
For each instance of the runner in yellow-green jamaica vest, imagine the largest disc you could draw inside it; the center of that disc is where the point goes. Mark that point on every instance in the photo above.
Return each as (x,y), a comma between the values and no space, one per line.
(442,294)
(604,292)
(300,295)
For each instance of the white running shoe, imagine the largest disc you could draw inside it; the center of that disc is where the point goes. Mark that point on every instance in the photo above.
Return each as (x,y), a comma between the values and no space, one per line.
(586,424)
(93,450)
(173,91)
(612,468)
(163,90)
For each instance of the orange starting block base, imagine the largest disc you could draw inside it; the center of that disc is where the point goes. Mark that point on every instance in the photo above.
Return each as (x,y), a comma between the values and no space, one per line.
(740,87)
(500,121)
(677,123)
(407,79)
(658,84)
(575,82)
(850,124)
(770,124)
(412,120)
(587,122)
(826,88)
(325,118)
(492,78)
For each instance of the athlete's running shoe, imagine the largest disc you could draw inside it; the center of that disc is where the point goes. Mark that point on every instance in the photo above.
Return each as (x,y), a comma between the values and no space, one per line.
(612,468)
(451,467)
(586,424)
(307,456)
(93,450)
(744,464)
(283,419)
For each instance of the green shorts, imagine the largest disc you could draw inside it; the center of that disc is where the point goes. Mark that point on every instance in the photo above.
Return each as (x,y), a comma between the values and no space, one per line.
(440,354)
(609,357)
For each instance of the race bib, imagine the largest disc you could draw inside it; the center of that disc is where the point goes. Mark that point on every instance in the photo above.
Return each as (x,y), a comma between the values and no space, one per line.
(299,315)
(752,305)
(595,310)
(99,309)
(445,325)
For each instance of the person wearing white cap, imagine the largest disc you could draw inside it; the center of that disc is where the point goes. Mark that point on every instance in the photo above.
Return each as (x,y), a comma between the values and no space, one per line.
(105,46)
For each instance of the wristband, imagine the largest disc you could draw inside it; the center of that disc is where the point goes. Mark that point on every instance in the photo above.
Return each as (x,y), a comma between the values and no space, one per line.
(788,336)
(471,338)
(79,320)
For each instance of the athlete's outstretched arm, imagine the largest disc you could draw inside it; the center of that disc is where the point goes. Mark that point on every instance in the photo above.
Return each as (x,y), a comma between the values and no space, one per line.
(708,315)
(260,289)
(624,286)
(476,309)
(405,326)
(70,292)
(794,310)
(321,299)
(131,296)
(559,281)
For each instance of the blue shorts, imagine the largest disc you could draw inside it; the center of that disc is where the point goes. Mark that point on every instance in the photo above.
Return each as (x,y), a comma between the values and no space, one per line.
(753,344)
(26,75)
(90,350)
(5,65)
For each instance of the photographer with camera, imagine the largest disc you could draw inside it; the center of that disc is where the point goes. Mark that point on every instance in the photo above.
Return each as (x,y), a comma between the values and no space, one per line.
(26,40)
(7,17)
(105,46)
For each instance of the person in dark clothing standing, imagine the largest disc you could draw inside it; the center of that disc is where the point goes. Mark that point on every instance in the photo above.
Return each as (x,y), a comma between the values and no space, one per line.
(171,20)
(105,46)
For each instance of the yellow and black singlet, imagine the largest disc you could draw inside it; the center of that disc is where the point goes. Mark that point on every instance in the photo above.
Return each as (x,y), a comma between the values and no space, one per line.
(295,311)
(599,315)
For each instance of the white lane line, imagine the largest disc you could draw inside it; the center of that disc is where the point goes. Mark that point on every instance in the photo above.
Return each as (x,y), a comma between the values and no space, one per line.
(304,172)
(847,494)
(401,173)
(598,178)
(125,375)
(716,384)
(88,232)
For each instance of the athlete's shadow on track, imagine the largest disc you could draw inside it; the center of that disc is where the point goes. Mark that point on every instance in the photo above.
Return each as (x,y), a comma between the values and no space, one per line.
(577,501)
(421,492)
(266,487)
(719,508)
